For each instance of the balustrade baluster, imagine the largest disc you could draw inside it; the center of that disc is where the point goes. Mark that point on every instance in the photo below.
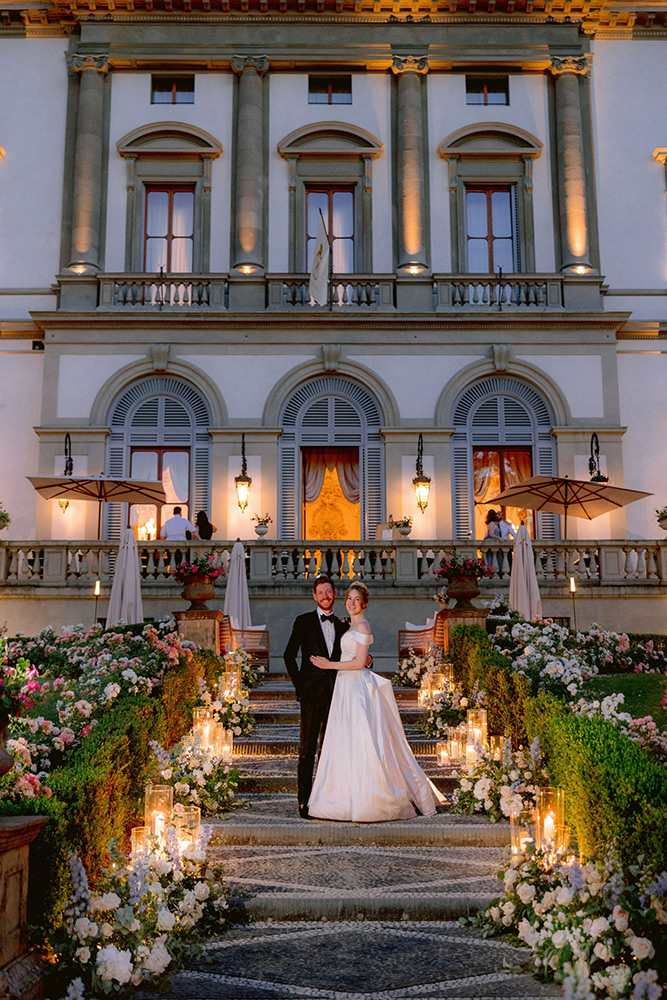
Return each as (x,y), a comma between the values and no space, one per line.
(641,563)
(627,569)
(505,562)
(652,564)
(594,566)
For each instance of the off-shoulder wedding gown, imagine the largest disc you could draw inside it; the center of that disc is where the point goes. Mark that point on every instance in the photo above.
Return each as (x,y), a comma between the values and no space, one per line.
(366,772)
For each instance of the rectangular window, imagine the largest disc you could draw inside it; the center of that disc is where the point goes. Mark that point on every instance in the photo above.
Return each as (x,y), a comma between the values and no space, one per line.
(169,229)
(169,466)
(337,207)
(495,470)
(491,230)
(329,89)
(487,90)
(172,90)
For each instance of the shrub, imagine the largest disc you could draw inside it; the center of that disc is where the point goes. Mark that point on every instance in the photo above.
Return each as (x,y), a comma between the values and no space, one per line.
(614,795)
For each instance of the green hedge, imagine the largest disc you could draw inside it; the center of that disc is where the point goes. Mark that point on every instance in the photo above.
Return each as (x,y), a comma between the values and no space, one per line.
(613,792)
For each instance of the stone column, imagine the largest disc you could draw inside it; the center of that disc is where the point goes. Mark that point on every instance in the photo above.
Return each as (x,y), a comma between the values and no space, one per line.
(249,164)
(87,201)
(571,166)
(410,188)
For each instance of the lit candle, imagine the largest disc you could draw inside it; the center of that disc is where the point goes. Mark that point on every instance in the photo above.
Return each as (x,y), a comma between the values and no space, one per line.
(549,827)
(226,754)
(524,842)
(159,824)
(477,735)
(205,733)
(471,753)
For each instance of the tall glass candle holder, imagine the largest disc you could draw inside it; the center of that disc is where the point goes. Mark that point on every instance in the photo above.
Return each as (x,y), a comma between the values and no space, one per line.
(477,726)
(442,753)
(522,831)
(229,686)
(187,826)
(550,814)
(496,747)
(159,808)
(139,842)
(224,743)
(203,725)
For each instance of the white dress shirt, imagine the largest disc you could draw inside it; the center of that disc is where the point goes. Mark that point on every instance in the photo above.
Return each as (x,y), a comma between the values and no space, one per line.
(174,529)
(329,632)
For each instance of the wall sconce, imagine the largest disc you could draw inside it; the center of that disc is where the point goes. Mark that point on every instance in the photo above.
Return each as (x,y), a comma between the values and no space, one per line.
(594,461)
(63,504)
(243,482)
(421,483)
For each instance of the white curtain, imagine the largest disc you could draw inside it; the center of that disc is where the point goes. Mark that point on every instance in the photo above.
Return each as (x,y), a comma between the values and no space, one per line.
(182,230)
(144,467)
(175,478)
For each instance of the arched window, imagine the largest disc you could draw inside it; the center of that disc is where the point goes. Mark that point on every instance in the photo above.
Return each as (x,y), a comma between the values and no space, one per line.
(502,436)
(331,461)
(159,431)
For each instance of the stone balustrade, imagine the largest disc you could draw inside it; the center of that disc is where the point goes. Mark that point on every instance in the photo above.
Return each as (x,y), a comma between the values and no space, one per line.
(77,564)
(166,291)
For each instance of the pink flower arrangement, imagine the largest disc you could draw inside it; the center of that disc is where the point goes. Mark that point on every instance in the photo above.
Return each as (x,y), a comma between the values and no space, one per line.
(201,566)
(459,566)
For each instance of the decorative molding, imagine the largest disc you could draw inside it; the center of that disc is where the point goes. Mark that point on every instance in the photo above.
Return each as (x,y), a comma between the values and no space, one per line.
(409,64)
(259,63)
(168,139)
(332,139)
(659,154)
(501,354)
(330,357)
(483,140)
(160,357)
(571,64)
(79,63)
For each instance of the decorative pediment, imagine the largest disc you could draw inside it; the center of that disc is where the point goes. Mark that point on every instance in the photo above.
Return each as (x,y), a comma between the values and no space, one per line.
(168,139)
(490,139)
(330,139)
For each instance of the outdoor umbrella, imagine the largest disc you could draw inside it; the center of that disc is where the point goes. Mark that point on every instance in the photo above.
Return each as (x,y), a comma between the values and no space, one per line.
(567,496)
(100,488)
(237,602)
(524,591)
(125,601)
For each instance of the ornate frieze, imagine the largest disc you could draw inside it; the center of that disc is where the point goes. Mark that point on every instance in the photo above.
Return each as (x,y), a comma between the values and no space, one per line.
(410,64)
(259,63)
(79,62)
(571,64)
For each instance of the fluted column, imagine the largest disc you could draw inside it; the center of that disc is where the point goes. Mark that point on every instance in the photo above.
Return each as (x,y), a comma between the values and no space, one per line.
(411,193)
(571,166)
(249,164)
(88,158)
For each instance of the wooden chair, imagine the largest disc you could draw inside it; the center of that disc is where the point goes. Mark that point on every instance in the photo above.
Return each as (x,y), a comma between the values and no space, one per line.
(417,641)
(254,641)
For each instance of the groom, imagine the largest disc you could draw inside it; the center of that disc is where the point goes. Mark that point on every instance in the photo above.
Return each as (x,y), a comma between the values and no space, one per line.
(317,633)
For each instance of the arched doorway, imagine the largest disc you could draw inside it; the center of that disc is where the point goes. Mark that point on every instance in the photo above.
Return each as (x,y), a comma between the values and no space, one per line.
(502,436)
(159,430)
(331,463)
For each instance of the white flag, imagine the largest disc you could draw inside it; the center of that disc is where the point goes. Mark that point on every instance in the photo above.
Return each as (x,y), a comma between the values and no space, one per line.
(319,272)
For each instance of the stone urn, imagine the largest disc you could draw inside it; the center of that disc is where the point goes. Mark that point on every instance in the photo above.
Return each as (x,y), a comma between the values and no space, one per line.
(662,521)
(462,587)
(261,529)
(6,760)
(404,530)
(198,590)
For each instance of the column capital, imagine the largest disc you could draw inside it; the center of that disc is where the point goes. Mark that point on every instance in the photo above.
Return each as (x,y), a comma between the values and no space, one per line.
(259,63)
(580,65)
(79,62)
(409,64)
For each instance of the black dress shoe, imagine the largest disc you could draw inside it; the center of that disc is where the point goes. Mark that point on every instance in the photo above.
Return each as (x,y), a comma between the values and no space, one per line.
(303,812)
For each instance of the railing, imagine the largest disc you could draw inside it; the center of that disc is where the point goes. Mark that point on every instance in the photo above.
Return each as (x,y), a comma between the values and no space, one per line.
(371,292)
(483,291)
(282,563)
(166,291)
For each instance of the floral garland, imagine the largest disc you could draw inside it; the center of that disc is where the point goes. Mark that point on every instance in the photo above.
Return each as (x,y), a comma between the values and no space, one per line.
(501,788)
(201,565)
(586,925)
(145,920)
(198,777)
(415,665)
(241,659)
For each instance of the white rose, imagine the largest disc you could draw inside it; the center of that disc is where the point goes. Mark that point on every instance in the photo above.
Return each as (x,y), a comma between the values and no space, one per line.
(602,952)
(559,939)
(508,908)
(106,930)
(82,926)
(564,896)
(158,960)
(112,963)
(598,927)
(510,877)
(526,892)
(167,773)
(642,948)
(83,954)
(202,891)
(178,875)
(165,920)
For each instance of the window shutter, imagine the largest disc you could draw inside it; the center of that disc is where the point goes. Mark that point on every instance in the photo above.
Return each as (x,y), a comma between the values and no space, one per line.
(462,491)
(287,493)
(373,480)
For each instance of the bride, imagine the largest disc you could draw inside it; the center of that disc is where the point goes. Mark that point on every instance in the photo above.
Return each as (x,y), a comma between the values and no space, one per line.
(366,772)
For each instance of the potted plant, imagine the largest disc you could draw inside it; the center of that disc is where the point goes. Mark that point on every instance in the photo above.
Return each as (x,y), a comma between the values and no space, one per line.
(404,525)
(17,684)
(662,517)
(262,522)
(5,519)
(197,578)
(462,574)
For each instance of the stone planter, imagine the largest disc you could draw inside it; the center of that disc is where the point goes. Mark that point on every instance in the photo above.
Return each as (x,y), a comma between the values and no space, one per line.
(261,529)
(462,588)
(662,521)
(404,530)
(6,760)
(198,590)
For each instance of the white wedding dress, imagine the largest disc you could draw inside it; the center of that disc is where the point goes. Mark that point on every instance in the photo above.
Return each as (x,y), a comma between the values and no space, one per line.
(366,772)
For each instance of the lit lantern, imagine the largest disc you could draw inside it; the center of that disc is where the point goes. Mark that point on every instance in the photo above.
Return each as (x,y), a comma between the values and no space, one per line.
(472,756)
(243,482)
(496,746)
(139,839)
(159,807)
(425,693)
(229,685)
(477,726)
(187,826)
(522,831)
(203,725)
(442,754)
(224,743)
(550,814)
(421,483)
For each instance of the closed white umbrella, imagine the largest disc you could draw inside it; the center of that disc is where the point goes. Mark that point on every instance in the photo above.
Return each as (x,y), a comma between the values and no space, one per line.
(524,591)
(237,602)
(125,601)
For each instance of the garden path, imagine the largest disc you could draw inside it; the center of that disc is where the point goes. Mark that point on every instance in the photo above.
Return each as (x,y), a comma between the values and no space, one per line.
(350,911)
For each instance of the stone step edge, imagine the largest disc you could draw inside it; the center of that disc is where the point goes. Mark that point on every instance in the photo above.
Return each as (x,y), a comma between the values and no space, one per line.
(262,747)
(278,906)
(309,833)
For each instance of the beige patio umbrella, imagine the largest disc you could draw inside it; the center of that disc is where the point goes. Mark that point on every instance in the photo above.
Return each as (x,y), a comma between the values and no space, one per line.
(524,589)
(561,495)
(237,602)
(125,601)
(103,489)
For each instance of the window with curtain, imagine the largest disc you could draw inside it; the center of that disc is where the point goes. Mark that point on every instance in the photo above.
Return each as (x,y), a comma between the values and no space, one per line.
(172,468)
(169,229)
(337,207)
(495,470)
(491,230)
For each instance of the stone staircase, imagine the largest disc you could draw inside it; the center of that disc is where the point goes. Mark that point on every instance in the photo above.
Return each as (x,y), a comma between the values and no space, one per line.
(344,911)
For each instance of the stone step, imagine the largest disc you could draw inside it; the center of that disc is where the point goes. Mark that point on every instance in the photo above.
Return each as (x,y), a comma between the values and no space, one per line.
(284,741)
(287,714)
(284,692)
(285,783)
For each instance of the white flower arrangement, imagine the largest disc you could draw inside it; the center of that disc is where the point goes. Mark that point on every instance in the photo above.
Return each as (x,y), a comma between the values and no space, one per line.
(241,659)
(198,776)
(415,665)
(233,712)
(500,788)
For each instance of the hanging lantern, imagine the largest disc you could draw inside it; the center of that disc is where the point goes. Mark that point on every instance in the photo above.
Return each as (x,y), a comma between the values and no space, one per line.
(243,482)
(421,483)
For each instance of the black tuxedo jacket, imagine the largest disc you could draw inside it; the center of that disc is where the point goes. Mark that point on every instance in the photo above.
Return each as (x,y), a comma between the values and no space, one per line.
(307,638)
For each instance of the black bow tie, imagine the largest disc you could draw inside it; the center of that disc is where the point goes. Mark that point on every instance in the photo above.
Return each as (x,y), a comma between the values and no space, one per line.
(327,618)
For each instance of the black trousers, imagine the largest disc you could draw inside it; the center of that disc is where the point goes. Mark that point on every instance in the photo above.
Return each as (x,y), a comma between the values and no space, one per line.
(315,706)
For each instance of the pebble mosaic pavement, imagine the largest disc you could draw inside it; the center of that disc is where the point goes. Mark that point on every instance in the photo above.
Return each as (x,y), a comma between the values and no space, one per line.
(344,911)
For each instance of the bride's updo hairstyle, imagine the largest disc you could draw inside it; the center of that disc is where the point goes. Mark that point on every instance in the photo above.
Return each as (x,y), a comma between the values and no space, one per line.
(362,590)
